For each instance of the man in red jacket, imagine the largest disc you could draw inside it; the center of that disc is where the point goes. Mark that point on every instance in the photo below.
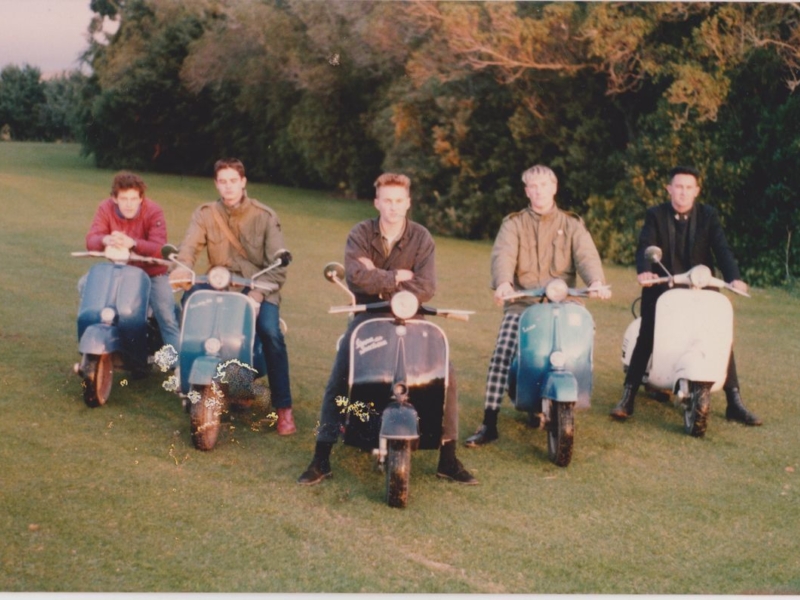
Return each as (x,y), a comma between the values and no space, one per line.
(130,220)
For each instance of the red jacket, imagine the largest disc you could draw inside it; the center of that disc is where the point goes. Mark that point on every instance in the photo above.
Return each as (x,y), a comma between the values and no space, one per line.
(148,228)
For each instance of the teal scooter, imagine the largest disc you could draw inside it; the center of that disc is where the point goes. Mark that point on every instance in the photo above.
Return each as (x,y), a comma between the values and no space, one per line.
(551,373)
(115,330)
(220,354)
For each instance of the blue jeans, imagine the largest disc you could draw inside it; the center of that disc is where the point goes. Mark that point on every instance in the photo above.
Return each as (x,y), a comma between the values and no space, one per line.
(269,332)
(162,301)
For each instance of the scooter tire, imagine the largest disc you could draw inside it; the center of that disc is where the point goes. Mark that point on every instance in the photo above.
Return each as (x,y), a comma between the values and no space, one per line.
(695,417)
(561,432)
(398,472)
(98,377)
(205,417)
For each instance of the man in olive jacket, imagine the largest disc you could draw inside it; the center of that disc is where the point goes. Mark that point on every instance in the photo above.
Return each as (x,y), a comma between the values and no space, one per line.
(256,230)
(534,246)
(688,234)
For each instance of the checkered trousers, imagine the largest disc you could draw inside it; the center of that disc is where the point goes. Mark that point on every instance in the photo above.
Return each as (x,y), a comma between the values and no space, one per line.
(500,364)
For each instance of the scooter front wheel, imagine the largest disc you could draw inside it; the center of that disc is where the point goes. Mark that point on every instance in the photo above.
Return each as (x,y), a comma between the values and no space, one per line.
(98,377)
(695,417)
(205,412)
(398,472)
(561,432)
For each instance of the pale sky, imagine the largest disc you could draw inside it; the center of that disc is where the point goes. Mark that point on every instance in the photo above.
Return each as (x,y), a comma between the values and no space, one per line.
(48,34)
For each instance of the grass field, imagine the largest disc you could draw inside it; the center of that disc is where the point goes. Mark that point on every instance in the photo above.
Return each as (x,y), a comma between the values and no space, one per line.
(117,499)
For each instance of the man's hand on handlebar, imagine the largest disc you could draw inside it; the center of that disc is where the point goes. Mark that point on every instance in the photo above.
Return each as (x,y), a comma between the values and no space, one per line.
(645,278)
(598,290)
(504,289)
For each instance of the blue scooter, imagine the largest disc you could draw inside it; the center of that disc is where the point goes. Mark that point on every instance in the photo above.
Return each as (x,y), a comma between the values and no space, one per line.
(114,330)
(552,371)
(398,379)
(220,355)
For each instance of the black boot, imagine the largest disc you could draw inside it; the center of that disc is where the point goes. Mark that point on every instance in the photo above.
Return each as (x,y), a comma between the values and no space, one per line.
(624,409)
(450,467)
(736,410)
(320,467)
(487,432)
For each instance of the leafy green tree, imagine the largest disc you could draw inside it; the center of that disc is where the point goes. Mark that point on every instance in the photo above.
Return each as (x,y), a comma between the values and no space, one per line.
(22,95)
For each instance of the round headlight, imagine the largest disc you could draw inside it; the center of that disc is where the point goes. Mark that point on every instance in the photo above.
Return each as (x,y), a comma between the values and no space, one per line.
(558,359)
(219,278)
(404,305)
(700,276)
(212,346)
(556,290)
(107,315)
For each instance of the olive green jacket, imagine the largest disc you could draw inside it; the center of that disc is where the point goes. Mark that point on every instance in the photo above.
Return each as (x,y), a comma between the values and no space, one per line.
(258,230)
(532,249)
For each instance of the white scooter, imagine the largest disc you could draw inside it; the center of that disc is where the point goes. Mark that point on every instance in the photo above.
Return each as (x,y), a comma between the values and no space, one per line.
(692,340)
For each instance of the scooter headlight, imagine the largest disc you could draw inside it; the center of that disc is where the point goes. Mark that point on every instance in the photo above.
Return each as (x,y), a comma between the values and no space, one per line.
(558,359)
(700,276)
(107,315)
(404,305)
(219,278)
(556,290)
(212,346)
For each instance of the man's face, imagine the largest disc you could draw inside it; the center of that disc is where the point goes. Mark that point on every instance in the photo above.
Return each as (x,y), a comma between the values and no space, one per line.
(230,186)
(392,202)
(128,202)
(541,191)
(683,190)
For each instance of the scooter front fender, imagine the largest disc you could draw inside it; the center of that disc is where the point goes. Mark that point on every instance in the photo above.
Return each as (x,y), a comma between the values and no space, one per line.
(400,422)
(99,339)
(560,386)
(203,370)
(696,365)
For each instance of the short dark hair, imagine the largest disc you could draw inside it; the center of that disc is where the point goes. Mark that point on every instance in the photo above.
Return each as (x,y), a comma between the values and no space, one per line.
(229,163)
(125,180)
(684,170)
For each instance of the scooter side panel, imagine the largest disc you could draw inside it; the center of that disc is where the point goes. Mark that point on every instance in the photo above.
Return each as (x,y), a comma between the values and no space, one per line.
(374,348)
(698,323)
(227,316)
(538,339)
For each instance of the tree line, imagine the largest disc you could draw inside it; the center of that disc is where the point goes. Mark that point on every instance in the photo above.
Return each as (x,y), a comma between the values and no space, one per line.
(463,96)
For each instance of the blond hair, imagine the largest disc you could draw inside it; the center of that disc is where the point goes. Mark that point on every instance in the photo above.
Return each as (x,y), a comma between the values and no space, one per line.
(538,170)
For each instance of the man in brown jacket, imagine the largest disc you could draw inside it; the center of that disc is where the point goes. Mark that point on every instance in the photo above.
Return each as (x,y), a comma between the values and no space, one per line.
(257,229)
(534,246)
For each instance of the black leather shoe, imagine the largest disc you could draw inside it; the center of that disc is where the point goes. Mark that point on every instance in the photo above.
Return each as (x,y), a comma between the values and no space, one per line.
(736,410)
(455,471)
(316,472)
(481,437)
(624,408)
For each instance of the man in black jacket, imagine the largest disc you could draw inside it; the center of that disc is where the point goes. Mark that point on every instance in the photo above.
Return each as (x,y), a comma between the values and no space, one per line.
(689,234)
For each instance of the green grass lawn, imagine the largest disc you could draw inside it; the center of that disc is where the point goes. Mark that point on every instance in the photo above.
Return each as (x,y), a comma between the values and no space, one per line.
(117,499)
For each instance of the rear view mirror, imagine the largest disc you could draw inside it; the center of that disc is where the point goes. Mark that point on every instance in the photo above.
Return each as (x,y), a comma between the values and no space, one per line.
(653,254)
(167,251)
(333,271)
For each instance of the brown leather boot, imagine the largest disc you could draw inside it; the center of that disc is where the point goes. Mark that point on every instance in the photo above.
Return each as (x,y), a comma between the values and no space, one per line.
(624,409)
(286,424)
